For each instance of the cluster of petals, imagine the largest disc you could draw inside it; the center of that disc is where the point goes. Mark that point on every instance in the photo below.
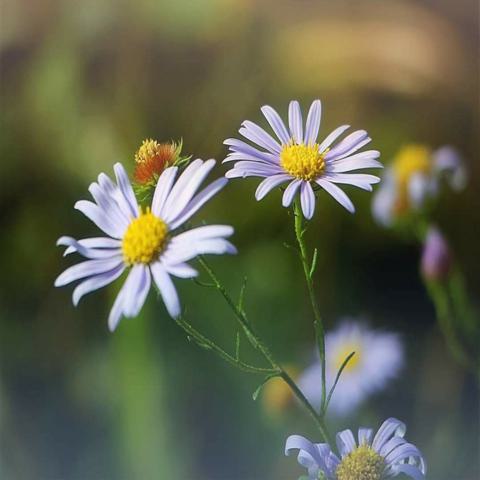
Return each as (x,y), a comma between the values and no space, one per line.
(264,159)
(113,210)
(389,443)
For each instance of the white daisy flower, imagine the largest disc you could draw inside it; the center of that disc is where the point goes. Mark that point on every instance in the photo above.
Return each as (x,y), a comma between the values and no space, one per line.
(413,178)
(296,158)
(144,242)
(380,457)
(378,359)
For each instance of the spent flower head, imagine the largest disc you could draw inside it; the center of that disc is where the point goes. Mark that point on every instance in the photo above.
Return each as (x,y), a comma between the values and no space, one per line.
(298,158)
(379,457)
(144,241)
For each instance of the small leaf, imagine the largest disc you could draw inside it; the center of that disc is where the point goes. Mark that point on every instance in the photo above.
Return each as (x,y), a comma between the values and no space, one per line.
(241,298)
(265,380)
(337,378)
(314,263)
(237,347)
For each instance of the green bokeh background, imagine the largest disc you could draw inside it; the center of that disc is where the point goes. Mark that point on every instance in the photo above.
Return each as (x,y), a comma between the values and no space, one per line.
(82,83)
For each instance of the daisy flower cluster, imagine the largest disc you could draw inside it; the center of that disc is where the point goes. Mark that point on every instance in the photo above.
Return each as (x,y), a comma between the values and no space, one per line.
(146,233)
(413,178)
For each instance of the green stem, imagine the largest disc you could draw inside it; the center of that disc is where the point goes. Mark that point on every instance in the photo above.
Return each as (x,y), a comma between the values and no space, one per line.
(258,344)
(205,342)
(317,322)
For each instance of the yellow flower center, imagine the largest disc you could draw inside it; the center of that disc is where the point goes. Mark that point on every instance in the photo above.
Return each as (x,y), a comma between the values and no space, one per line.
(410,160)
(149,149)
(302,161)
(144,239)
(363,463)
(342,353)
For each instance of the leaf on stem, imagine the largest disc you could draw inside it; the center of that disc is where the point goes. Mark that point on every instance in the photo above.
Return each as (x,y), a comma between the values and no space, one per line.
(337,378)
(265,380)
(241,298)
(314,263)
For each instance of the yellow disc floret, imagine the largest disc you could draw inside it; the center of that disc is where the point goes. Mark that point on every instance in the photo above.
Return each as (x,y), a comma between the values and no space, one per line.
(363,463)
(149,149)
(302,161)
(144,239)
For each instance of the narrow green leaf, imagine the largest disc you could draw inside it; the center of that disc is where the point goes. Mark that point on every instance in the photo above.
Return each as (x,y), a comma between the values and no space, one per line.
(237,347)
(314,263)
(265,380)
(337,378)
(241,298)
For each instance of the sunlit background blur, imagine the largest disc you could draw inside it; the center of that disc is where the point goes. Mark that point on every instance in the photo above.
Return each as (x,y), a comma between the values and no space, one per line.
(82,84)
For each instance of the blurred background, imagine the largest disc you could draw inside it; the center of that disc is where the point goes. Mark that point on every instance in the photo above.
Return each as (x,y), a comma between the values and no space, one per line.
(82,84)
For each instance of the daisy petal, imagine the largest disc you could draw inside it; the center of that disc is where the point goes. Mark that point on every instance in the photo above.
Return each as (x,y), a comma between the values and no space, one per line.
(198,201)
(181,270)
(313,123)
(100,218)
(295,121)
(276,123)
(126,188)
(87,269)
(347,144)
(167,289)
(307,200)
(96,282)
(269,184)
(259,136)
(332,137)
(339,195)
(163,188)
(290,192)
(86,251)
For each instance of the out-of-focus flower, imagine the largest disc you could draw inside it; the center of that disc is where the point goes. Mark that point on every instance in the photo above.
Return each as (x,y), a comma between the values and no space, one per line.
(378,359)
(436,260)
(297,159)
(413,178)
(144,241)
(386,456)
(276,394)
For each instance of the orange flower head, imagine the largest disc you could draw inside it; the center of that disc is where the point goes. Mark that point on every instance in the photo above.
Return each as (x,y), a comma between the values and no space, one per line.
(152,158)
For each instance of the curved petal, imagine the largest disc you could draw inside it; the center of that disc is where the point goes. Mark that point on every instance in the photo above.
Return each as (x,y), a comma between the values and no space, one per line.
(295,121)
(163,188)
(181,270)
(198,201)
(167,289)
(87,252)
(269,184)
(339,195)
(100,218)
(180,196)
(126,188)
(389,427)
(332,137)
(290,192)
(87,269)
(136,286)
(410,470)
(179,252)
(276,123)
(203,233)
(345,442)
(239,146)
(348,144)
(365,436)
(108,204)
(307,200)
(313,123)
(95,242)
(96,282)
(259,136)
(360,180)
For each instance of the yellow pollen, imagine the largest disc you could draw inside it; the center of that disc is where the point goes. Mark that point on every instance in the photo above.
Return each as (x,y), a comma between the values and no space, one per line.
(144,239)
(148,150)
(342,353)
(303,161)
(363,463)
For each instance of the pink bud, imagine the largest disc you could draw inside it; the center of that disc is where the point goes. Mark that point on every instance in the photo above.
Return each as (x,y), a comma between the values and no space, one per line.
(436,260)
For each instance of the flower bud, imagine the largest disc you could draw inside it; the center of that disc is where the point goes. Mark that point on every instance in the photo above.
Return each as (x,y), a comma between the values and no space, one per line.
(436,260)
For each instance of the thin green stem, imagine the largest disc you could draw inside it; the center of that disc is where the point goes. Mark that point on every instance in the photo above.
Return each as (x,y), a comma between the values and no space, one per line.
(259,345)
(209,344)
(308,270)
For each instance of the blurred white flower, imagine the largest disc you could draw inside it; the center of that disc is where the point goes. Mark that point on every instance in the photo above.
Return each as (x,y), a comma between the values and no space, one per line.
(414,177)
(378,359)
